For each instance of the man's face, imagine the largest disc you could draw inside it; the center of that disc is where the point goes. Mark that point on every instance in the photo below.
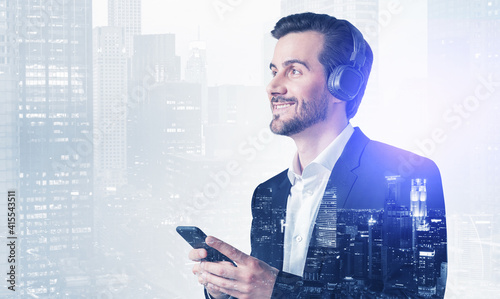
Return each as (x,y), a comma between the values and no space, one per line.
(297,92)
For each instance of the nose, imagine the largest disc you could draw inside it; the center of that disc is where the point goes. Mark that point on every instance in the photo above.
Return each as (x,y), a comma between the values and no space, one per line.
(276,86)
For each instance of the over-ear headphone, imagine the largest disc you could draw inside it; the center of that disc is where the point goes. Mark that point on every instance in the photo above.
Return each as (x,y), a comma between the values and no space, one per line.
(345,81)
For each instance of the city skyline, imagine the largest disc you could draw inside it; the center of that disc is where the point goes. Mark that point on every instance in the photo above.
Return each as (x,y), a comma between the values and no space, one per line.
(197,140)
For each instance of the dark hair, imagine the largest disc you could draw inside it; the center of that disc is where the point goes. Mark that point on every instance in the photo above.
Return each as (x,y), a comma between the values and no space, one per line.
(337,48)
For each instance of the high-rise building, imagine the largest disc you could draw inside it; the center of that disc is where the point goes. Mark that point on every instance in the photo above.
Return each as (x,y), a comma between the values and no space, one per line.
(326,220)
(110,109)
(9,143)
(426,273)
(264,229)
(418,204)
(374,249)
(154,58)
(9,140)
(126,14)
(54,100)
(228,104)
(196,65)
(167,122)
(397,251)
(196,72)
(154,93)
(178,116)
(359,256)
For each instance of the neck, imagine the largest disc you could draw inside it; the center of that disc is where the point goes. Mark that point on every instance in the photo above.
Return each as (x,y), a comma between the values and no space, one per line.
(313,140)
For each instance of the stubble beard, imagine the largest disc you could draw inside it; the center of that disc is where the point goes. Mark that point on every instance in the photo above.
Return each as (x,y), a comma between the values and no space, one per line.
(308,114)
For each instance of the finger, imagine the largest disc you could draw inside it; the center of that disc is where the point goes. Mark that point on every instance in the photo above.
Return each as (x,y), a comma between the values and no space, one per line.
(197,269)
(202,279)
(226,249)
(219,290)
(221,269)
(214,290)
(224,285)
(197,254)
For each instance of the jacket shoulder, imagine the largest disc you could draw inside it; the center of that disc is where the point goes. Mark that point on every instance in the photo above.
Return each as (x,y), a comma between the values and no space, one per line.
(398,161)
(380,161)
(275,181)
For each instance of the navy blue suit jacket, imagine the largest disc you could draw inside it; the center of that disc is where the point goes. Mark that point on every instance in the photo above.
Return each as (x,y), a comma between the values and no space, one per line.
(360,184)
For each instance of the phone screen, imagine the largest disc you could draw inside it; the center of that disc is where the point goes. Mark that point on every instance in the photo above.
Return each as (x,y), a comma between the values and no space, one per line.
(196,238)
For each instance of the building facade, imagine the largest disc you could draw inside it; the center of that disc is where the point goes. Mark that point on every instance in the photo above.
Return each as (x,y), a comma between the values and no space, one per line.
(126,14)
(110,109)
(54,99)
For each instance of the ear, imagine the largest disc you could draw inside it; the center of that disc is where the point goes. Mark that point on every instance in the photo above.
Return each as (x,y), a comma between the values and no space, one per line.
(337,101)
(337,108)
(333,99)
(337,104)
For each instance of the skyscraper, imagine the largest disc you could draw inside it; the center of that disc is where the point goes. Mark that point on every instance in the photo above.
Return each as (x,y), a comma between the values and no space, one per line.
(9,140)
(167,123)
(374,250)
(126,14)
(196,71)
(326,221)
(54,100)
(9,145)
(110,109)
(152,118)
(397,255)
(196,65)
(418,198)
(155,56)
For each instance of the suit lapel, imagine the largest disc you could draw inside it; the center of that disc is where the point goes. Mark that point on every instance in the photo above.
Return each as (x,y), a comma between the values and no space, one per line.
(342,177)
(280,198)
(324,241)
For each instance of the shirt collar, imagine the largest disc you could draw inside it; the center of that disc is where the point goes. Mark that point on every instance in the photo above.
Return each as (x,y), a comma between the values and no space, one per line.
(327,158)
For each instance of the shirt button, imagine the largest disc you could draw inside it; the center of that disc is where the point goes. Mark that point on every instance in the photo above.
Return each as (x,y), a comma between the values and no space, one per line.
(309,192)
(298,239)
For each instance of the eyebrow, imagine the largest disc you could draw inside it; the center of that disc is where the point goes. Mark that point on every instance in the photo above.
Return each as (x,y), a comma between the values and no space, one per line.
(291,61)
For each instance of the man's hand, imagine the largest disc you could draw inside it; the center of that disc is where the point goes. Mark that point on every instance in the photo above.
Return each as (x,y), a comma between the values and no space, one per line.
(252,278)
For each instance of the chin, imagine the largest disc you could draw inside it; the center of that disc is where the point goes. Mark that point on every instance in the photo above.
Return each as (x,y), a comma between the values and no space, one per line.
(276,127)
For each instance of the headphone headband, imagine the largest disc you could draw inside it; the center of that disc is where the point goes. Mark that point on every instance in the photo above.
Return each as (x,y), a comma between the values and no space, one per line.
(359,46)
(345,81)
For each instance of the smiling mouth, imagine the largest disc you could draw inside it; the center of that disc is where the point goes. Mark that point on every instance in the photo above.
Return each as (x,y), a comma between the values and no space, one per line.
(281,103)
(278,106)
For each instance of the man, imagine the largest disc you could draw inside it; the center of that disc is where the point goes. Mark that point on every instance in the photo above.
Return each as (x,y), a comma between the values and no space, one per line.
(351,217)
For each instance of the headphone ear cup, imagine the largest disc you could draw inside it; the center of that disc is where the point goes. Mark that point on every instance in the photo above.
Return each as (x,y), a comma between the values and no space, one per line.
(345,82)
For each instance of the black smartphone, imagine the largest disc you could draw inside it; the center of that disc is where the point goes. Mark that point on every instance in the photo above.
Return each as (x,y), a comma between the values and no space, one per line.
(196,238)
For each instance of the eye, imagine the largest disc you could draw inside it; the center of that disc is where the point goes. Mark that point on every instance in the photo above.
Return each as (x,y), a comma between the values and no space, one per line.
(273,73)
(295,72)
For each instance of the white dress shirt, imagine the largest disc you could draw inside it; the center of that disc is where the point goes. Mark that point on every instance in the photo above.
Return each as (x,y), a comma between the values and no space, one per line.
(304,201)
